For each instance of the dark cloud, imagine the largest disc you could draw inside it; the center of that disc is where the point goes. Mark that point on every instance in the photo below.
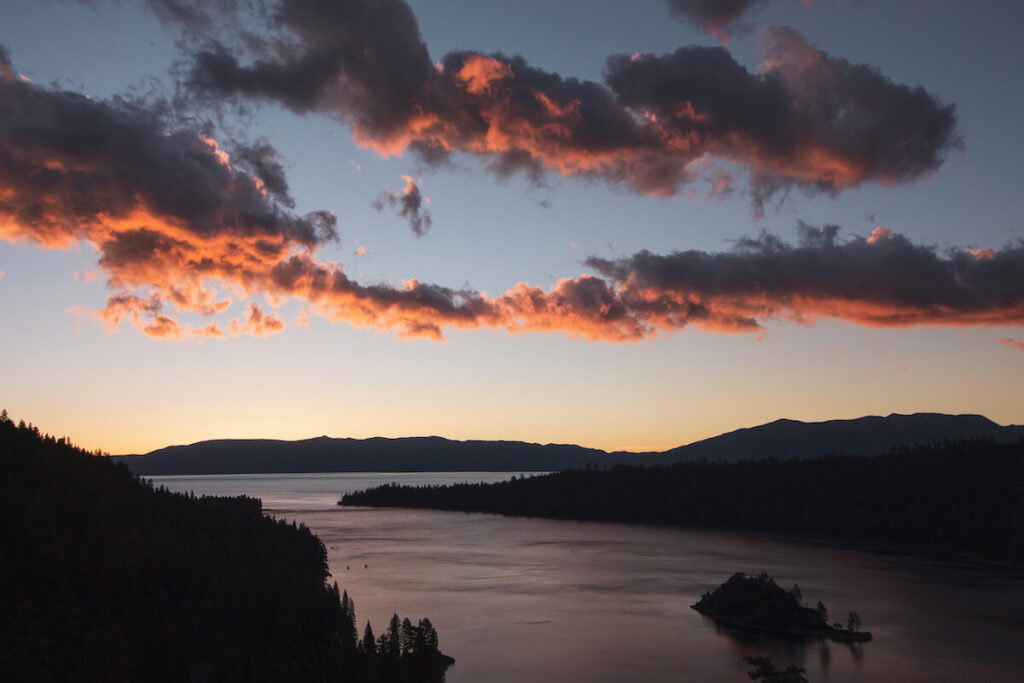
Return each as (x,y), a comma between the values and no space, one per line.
(808,120)
(66,158)
(181,226)
(361,60)
(265,163)
(882,280)
(165,208)
(409,203)
(658,124)
(717,17)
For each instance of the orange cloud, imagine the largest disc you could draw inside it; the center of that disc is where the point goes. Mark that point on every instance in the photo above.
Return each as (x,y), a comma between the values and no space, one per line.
(181,230)
(258,323)
(879,234)
(478,73)
(1013,343)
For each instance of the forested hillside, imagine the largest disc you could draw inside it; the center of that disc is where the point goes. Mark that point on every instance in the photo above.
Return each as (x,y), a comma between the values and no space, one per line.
(103,578)
(954,497)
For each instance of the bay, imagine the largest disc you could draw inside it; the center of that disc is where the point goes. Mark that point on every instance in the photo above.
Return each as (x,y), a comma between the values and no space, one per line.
(517,599)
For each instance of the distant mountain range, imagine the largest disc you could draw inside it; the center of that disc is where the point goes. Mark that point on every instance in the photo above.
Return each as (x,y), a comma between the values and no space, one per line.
(782,439)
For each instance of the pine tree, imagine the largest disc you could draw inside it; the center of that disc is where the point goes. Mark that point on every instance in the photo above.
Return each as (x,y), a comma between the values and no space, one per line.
(408,637)
(429,635)
(394,638)
(853,621)
(822,611)
(369,644)
(347,627)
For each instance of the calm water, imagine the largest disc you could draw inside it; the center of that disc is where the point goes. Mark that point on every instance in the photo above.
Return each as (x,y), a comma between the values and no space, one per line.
(528,599)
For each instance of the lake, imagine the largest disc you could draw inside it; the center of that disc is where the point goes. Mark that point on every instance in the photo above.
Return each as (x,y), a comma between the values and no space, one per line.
(516,599)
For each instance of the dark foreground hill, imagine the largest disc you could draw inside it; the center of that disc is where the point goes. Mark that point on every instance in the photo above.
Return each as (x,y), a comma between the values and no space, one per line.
(964,498)
(782,439)
(103,578)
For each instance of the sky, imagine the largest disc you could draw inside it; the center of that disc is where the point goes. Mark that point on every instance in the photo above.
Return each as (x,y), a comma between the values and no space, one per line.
(623,225)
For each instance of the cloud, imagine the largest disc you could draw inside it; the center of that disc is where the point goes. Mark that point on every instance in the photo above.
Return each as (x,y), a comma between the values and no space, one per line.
(890,282)
(85,275)
(258,324)
(6,68)
(183,227)
(658,124)
(879,234)
(717,17)
(409,203)
(1013,343)
(167,209)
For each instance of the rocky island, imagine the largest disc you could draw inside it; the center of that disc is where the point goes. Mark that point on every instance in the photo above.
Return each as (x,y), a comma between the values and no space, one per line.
(758,604)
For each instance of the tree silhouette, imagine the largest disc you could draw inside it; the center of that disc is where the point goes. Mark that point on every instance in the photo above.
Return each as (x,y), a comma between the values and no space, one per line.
(429,635)
(347,621)
(822,610)
(853,622)
(408,637)
(369,644)
(393,639)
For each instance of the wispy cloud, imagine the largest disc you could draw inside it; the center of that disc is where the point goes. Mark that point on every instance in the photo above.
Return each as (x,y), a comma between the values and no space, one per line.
(409,202)
(1013,343)
(717,17)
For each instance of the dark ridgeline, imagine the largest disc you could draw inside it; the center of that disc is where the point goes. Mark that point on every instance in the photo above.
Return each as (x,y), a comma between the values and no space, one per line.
(964,498)
(103,578)
(323,454)
(783,439)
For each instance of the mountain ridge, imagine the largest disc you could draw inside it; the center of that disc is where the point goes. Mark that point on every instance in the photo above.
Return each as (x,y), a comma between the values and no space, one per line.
(783,438)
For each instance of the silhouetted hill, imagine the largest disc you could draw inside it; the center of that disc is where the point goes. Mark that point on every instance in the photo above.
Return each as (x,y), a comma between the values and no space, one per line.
(786,439)
(782,439)
(104,578)
(323,454)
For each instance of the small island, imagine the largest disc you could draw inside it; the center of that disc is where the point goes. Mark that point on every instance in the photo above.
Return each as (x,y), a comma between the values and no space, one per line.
(758,604)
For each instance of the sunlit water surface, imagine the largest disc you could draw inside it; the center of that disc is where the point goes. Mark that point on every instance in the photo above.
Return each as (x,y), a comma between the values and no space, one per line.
(530,599)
